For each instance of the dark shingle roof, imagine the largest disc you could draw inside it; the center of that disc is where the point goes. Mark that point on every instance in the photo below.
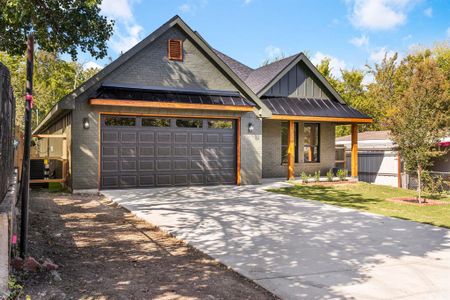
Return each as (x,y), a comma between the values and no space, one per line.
(169,94)
(260,77)
(311,107)
(240,69)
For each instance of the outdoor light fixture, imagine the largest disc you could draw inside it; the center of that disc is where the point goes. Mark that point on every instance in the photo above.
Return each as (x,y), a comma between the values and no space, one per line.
(86,124)
(250,127)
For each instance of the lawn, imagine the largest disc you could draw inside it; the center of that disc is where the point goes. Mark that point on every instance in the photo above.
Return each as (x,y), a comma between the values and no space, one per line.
(372,198)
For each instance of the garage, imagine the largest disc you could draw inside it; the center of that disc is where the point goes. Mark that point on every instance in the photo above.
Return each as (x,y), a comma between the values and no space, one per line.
(149,151)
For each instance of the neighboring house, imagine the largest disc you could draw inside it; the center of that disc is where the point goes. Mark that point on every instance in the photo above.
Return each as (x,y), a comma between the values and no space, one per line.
(174,111)
(378,159)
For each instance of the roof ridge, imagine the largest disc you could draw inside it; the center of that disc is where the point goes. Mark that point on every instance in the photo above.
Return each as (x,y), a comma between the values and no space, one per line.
(290,57)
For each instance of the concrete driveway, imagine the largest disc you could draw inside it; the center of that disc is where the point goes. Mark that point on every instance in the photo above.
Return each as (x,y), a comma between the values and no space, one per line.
(299,248)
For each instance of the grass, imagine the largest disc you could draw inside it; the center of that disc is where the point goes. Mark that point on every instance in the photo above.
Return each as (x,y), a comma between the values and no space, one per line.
(372,198)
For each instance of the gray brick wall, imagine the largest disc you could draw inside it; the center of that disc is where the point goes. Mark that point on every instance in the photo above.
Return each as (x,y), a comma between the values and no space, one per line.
(271,150)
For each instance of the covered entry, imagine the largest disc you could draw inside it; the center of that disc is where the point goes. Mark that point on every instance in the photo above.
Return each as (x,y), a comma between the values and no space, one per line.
(148,151)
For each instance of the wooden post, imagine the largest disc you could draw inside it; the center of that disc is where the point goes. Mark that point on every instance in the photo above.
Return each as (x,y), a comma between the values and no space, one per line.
(291,150)
(354,150)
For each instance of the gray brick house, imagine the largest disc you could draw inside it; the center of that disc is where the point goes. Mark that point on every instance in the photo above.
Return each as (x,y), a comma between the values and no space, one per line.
(174,111)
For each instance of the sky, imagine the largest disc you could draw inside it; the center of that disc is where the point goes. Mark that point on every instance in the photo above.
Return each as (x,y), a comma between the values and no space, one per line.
(352,33)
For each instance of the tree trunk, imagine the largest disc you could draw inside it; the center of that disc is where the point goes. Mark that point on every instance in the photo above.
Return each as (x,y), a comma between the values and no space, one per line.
(419,182)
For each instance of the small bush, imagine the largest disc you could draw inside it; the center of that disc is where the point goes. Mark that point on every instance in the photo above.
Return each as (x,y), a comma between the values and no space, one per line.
(330,175)
(342,174)
(434,185)
(15,288)
(304,177)
(317,176)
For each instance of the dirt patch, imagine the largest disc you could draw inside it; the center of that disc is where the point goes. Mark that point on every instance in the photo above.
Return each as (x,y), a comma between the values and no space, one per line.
(104,252)
(414,201)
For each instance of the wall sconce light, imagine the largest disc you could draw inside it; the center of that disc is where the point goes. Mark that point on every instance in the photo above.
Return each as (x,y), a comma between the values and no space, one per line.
(86,124)
(250,127)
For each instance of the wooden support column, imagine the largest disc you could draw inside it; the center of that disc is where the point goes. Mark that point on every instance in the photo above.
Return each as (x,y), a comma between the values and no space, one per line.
(354,150)
(291,150)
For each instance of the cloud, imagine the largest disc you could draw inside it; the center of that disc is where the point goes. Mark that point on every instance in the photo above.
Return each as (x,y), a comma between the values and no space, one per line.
(428,12)
(377,56)
(185,8)
(123,41)
(127,32)
(92,65)
(361,41)
(335,64)
(273,52)
(247,2)
(379,14)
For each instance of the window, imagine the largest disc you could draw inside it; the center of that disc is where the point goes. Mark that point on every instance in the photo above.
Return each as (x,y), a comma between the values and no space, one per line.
(150,122)
(120,121)
(220,124)
(175,50)
(284,142)
(189,123)
(311,146)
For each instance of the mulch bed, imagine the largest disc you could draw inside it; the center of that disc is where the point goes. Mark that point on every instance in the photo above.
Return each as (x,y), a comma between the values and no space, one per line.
(414,201)
(329,183)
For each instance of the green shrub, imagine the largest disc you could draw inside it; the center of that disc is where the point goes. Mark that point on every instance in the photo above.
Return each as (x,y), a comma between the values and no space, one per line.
(434,185)
(317,176)
(304,177)
(342,174)
(330,175)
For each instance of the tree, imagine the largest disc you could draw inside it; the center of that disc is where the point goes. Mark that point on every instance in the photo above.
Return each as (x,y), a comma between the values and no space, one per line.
(59,26)
(54,78)
(421,116)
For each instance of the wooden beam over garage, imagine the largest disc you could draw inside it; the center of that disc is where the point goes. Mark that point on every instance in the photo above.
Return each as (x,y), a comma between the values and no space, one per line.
(173,105)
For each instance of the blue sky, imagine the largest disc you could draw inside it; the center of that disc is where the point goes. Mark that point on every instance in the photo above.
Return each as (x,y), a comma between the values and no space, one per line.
(350,32)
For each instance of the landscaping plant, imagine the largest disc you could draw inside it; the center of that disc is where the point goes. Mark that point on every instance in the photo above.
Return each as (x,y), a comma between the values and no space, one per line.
(304,177)
(317,176)
(342,174)
(330,175)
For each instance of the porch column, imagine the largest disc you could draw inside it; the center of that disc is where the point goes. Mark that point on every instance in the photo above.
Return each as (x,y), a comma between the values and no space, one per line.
(291,150)
(354,151)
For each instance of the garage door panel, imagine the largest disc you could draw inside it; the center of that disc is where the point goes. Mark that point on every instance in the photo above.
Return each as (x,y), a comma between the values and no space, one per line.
(146,165)
(146,137)
(164,137)
(128,180)
(146,151)
(128,137)
(155,156)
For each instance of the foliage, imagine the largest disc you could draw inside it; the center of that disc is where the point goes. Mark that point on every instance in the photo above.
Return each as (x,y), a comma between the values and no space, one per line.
(433,185)
(342,174)
(317,176)
(15,288)
(421,116)
(53,79)
(372,198)
(63,26)
(330,175)
(304,177)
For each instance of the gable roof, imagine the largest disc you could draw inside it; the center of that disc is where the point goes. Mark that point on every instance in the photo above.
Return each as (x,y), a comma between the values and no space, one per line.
(262,79)
(239,68)
(68,102)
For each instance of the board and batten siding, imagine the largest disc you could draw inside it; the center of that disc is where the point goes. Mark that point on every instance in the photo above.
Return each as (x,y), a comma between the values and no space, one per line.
(298,82)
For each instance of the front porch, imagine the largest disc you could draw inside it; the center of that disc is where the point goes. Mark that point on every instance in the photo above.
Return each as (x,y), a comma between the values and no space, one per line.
(292,145)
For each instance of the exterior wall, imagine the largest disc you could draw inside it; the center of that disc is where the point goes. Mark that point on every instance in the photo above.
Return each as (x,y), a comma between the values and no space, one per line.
(271,150)
(442,163)
(151,67)
(86,153)
(298,82)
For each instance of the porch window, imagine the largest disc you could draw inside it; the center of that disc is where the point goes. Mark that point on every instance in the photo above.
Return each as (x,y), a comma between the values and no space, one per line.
(284,142)
(311,146)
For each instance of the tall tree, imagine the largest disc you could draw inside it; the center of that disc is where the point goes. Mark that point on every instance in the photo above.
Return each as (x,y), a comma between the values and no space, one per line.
(59,26)
(421,116)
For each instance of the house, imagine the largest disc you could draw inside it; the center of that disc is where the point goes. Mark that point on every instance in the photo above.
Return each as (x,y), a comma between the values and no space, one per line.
(379,161)
(174,111)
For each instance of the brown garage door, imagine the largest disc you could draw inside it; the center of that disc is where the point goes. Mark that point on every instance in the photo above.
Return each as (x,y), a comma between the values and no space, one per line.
(139,152)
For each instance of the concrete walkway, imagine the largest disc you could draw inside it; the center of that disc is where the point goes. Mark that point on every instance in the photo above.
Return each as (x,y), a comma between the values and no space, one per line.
(298,248)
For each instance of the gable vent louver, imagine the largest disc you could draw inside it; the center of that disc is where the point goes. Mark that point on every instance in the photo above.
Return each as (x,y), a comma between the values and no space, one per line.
(175,50)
